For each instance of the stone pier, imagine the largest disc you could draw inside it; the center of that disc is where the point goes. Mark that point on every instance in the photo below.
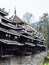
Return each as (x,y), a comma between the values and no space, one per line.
(24,60)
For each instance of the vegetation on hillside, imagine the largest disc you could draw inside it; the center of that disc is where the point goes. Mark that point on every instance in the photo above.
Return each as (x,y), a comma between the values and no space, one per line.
(43,27)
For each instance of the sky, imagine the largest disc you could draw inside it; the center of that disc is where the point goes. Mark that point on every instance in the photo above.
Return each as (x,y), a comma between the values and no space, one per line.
(36,7)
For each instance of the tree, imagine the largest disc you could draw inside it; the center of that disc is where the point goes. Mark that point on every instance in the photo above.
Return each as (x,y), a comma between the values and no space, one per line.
(43,26)
(27,17)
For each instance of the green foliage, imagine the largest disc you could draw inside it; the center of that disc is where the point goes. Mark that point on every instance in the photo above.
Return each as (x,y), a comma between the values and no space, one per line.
(43,27)
(45,63)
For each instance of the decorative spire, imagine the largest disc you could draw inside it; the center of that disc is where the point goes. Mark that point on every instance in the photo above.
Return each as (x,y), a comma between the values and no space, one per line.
(15,12)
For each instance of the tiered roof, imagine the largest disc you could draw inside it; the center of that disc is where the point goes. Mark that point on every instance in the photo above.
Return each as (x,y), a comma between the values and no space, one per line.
(15,19)
(26,34)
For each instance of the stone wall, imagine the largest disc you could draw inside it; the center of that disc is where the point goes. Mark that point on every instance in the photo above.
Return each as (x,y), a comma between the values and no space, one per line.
(24,60)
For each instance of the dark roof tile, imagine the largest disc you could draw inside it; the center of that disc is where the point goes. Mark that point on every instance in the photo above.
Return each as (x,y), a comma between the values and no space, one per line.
(16,19)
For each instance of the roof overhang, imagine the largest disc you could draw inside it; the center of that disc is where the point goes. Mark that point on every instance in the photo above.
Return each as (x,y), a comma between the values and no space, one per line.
(2,12)
(8,42)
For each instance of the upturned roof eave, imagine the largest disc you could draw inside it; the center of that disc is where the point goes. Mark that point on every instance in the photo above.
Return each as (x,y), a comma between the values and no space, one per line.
(3,12)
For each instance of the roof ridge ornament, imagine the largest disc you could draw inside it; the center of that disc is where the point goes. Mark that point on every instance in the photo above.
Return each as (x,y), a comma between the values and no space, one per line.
(15,12)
